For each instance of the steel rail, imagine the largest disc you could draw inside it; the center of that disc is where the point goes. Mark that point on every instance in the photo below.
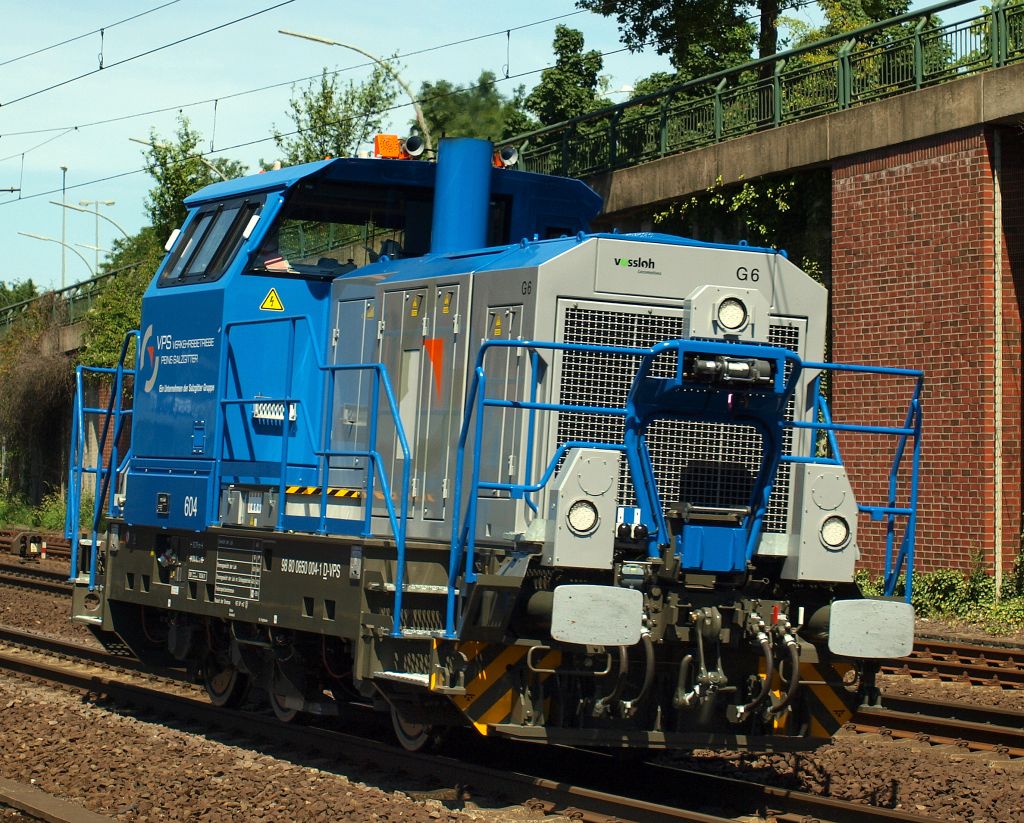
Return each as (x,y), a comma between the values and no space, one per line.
(975,728)
(990,652)
(962,672)
(35,579)
(591,804)
(560,794)
(39,805)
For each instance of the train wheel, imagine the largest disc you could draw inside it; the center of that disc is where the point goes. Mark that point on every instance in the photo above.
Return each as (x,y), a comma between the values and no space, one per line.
(225,684)
(415,737)
(281,712)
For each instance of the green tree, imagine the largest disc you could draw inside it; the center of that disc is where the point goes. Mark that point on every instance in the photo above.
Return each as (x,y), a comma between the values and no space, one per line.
(333,120)
(572,86)
(792,212)
(179,170)
(37,380)
(132,261)
(699,36)
(17,291)
(845,15)
(480,110)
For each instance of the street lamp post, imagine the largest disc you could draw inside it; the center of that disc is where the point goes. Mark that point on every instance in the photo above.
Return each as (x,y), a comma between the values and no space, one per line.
(420,120)
(64,226)
(112,222)
(66,246)
(97,204)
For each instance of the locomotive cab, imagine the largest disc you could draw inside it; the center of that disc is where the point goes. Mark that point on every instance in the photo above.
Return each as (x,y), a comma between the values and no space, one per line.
(405,430)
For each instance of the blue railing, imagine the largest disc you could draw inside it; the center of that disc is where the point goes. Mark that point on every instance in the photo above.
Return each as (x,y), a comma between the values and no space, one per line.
(377,476)
(651,399)
(643,405)
(104,473)
(896,560)
(375,464)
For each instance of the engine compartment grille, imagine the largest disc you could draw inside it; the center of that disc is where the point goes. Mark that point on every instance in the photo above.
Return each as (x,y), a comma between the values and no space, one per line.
(708,464)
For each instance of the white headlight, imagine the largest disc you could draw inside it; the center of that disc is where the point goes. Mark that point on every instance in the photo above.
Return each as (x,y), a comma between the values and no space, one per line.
(732,314)
(582,517)
(835,532)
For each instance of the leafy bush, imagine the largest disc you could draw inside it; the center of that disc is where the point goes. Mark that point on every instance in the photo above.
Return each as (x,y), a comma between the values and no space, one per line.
(954,595)
(14,511)
(47,516)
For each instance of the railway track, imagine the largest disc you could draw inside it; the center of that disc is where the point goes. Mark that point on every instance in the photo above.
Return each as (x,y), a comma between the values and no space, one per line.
(936,722)
(987,665)
(26,541)
(28,577)
(581,787)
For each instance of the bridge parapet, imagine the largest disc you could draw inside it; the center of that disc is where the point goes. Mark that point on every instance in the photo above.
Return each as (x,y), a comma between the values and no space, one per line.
(903,54)
(68,305)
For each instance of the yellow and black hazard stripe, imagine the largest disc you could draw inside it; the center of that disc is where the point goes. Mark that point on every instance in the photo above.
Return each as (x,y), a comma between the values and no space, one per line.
(494,678)
(830,703)
(353,494)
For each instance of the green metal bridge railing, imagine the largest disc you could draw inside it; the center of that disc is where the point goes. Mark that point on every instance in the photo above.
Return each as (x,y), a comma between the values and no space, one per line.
(895,56)
(68,305)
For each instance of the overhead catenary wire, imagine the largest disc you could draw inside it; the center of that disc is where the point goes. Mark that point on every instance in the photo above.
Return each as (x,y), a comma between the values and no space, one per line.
(231,95)
(145,53)
(293,132)
(38,145)
(78,37)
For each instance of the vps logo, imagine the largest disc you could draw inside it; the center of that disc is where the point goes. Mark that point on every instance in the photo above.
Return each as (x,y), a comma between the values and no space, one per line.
(149,360)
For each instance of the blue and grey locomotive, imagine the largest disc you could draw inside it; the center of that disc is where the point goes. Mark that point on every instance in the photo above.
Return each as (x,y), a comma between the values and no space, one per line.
(405,431)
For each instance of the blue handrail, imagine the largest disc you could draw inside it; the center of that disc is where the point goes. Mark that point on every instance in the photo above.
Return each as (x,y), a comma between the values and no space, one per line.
(895,560)
(398,522)
(651,400)
(464,524)
(376,472)
(103,472)
(643,405)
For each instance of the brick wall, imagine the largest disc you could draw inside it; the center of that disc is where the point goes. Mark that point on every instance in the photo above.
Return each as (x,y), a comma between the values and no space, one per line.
(913,285)
(1012,214)
(97,394)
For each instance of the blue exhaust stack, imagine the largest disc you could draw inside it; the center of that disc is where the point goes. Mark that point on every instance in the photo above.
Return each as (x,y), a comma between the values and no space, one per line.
(462,195)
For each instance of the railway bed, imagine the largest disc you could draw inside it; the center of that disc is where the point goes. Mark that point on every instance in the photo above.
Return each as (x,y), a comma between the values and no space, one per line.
(561,792)
(29,577)
(20,540)
(989,665)
(935,722)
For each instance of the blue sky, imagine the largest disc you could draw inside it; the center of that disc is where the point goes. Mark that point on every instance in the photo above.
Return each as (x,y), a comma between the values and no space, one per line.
(240,57)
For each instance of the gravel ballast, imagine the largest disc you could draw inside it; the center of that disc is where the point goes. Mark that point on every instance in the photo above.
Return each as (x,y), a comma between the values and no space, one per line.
(136,770)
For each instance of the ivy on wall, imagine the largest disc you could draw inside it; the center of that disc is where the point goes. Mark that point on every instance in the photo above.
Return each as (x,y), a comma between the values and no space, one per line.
(38,380)
(791,212)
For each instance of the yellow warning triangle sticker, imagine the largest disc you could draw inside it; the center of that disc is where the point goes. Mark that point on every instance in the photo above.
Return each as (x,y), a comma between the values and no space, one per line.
(272,302)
